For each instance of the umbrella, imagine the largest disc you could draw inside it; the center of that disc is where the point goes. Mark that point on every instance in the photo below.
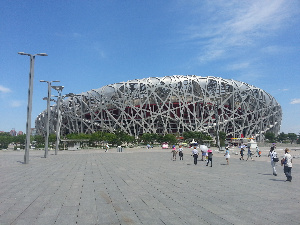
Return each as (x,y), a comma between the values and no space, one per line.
(203,148)
(209,150)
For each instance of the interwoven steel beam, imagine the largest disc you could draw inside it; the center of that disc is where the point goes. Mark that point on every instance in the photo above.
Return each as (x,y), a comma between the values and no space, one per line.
(171,104)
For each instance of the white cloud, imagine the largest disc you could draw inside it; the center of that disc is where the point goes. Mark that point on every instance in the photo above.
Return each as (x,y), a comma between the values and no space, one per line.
(285,89)
(234,25)
(4,89)
(15,104)
(238,66)
(295,101)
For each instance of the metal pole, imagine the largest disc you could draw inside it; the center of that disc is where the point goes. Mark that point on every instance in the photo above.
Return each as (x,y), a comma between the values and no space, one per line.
(29,110)
(58,123)
(29,105)
(217,124)
(48,120)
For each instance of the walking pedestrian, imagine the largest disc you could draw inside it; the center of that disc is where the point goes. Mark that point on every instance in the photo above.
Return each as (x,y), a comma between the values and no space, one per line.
(274,159)
(195,154)
(106,147)
(257,151)
(249,154)
(242,152)
(227,155)
(180,152)
(287,162)
(203,155)
(209,157)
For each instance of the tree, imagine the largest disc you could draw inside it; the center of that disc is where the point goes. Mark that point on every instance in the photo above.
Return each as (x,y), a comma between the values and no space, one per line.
(149,138)
(222,136)
(170,138)
(282,137)
(270,136)
(39,140)
(292,136)
(5,140)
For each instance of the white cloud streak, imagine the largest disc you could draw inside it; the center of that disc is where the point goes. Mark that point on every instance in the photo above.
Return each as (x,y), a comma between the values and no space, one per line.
(15,104)
(235,25)
(4,89)
(295,101)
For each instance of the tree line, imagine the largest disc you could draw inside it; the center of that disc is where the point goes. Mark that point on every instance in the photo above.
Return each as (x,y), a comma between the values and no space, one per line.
(121,138)
(99,138)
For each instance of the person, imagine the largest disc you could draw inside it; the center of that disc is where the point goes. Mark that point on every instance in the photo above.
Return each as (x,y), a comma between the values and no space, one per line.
(209,157)
(273,155)
(119,148)
(227,155)
(287,165)
(242,152)
(257,151)
(180,150)
(195,154)
(249,154)
(174,152)
(106,147)
(203,154)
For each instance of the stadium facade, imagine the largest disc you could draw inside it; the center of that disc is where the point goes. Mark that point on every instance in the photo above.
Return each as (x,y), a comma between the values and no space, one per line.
(171,104)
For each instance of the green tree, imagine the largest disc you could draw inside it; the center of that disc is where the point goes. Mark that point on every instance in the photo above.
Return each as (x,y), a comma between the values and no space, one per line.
(5,140)
(170,138)
(282,137)
(222,136)
(270,136)
(149,138)
(292,137)
(40,140)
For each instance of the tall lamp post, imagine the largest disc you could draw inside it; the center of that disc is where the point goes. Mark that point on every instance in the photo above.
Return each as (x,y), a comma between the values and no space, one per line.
(59,90)
(29,106)
(48,115)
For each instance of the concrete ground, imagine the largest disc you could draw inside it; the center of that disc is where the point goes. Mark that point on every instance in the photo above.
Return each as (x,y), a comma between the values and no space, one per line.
(140,186)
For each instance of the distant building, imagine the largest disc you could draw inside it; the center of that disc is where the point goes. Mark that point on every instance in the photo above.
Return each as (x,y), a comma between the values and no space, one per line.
(20,133)
(33,131)
(13,132)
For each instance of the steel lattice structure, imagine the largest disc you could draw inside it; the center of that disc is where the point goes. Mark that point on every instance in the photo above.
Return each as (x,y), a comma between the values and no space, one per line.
(171,104)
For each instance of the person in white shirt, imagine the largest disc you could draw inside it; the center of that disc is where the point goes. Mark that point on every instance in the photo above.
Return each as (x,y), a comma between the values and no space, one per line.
(180,150)
(287,165)
(274,159)
(195,154)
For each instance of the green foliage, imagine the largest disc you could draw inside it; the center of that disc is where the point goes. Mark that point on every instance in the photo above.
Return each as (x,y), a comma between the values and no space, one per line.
(292,137)
(170,138)
(282,137)
(270,137)
(222,136)
(39,139)
(148,138)
(5,140)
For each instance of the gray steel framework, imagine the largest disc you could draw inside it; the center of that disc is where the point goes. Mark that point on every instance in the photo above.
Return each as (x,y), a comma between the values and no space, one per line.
(171,104)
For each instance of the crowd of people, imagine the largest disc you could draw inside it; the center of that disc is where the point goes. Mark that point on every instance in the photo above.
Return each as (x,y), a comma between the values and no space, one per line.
(207,155)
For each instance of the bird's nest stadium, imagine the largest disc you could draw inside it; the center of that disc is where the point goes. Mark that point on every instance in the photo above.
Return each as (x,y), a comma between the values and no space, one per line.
(171,104)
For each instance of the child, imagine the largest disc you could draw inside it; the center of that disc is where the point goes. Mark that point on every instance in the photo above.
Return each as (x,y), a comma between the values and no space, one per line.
(180,150)
(209,157)
(242,153)
(227,155)
(174,152)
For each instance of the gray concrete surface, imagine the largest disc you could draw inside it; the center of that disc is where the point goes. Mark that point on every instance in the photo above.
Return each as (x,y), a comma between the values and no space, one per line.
(140,186)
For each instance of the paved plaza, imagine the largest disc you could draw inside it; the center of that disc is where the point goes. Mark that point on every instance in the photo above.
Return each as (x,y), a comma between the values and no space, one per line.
(141,186)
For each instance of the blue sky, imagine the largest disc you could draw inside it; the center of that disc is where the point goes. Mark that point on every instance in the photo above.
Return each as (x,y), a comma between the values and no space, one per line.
(94,43)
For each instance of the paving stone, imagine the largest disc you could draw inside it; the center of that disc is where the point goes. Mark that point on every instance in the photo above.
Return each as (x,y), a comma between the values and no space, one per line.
(142,186)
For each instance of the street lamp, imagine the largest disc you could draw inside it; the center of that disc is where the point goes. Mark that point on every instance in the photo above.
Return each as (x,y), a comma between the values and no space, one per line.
(48,114)
(59,90)
(29,105)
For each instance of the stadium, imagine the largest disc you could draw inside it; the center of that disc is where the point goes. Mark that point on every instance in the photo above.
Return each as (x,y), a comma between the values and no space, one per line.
(171,104)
